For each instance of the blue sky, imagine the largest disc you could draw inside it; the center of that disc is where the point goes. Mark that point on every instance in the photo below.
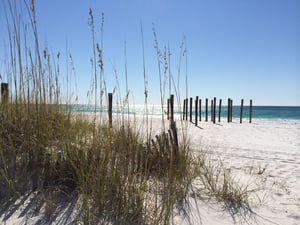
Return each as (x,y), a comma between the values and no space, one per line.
(235,48)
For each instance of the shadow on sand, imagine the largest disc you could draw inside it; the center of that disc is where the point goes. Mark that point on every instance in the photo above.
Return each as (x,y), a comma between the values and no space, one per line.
(38,208)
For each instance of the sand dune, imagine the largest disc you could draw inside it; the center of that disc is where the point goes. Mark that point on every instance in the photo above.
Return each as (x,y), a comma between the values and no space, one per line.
(264,154)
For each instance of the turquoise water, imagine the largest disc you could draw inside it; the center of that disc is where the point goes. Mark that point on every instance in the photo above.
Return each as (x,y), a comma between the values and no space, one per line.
(258,112)
(264,112)
(277,112)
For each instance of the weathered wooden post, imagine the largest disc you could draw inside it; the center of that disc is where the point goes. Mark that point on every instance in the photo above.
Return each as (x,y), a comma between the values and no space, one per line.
(183,110)
(4,93)
(241,112)
(186,109)
(196,110)
(250,116)
(228,111)
(200,111)
(191,109)
(220,106)
(171,104)
(206,109)
(110,99)
(214,109)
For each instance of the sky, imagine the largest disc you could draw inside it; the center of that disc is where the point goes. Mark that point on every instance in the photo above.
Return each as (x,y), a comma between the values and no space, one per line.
(234,48)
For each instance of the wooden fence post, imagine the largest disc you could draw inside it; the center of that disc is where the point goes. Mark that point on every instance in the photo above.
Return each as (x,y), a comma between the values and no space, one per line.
(110,98)
(250,116)
(183,110)
(214,110)
(186,108)
(206,109)
(241,112)
(220,106)
(196,111)
(191,109)
(228,111)
(4,93)
(171,105)
(200,111)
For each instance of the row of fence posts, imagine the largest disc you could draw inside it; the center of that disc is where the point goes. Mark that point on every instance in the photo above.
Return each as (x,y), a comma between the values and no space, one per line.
(213,110)
(170,108)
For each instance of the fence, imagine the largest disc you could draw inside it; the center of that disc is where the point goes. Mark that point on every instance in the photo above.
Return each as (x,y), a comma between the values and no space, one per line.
(197,113)
(187,104)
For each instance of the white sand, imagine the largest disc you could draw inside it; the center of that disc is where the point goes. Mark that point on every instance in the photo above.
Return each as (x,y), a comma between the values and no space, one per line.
(263,154)
(267,147)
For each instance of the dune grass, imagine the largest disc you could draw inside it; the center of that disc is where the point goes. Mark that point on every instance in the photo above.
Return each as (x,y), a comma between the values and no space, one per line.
(117,175)
(113,170)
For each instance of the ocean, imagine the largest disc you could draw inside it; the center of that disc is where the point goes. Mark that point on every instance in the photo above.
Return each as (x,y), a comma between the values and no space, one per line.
(265,112)
(277,112)
(258,112)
